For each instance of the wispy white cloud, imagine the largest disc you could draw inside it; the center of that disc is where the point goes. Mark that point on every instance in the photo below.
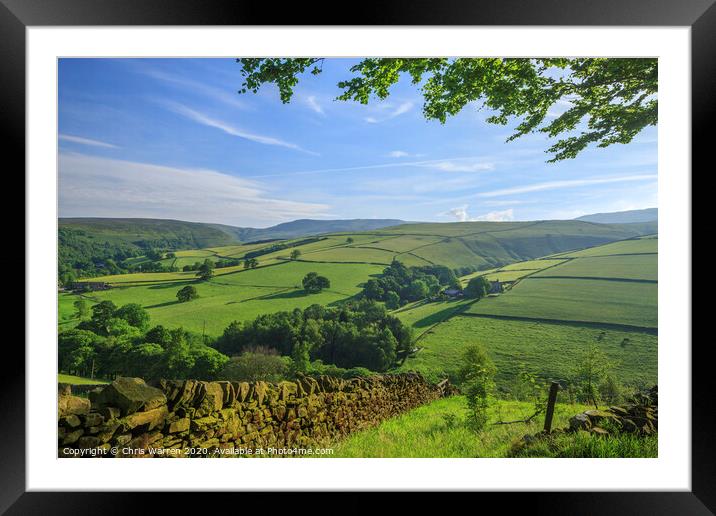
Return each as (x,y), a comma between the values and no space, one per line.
(457,166)
(403,154)
(86,141)
(101,187)
(394,111)
(398,154)
(313,104)
(554,185)
(226,96)
(393,164)
(209,121)
(505,202)
(402,108)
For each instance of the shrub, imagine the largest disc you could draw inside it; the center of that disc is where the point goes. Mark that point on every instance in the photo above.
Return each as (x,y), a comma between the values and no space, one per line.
(476,376)
(256,365)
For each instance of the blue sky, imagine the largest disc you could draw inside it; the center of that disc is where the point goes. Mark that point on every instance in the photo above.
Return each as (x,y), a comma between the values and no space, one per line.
(172,138)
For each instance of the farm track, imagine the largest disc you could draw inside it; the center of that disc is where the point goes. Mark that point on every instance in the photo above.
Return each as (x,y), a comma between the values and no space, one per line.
(565,322)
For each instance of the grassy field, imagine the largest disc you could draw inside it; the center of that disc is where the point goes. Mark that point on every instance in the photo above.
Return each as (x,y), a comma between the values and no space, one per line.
(452,253)
(531,265)
(403,244)
(350,255)
(636,246)
(550,350)
(422,316)
(438,430)
(585,300)
(241,295)
(634,267)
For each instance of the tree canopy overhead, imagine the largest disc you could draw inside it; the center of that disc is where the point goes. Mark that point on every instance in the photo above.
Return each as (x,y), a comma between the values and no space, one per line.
(607,100)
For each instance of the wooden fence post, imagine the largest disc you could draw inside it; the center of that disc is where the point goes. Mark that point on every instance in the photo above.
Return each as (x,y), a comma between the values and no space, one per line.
(551,400)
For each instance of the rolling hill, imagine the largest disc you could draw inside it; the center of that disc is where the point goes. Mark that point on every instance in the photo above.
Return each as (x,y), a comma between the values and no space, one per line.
(304,227)
(349,259)
(180,234)
(623,217)
(175,234)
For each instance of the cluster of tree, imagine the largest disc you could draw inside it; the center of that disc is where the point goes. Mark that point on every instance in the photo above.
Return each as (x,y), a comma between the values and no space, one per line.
(79,255)
(149,266)
(218,264)
(267,365)
(205,270)
(477,287)
(251,263)
(118,342)
(398,284)
(313,283)
(359,334)
(154,254)
(82,255)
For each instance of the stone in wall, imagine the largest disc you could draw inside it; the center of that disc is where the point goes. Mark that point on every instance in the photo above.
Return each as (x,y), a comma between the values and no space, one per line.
(176,418)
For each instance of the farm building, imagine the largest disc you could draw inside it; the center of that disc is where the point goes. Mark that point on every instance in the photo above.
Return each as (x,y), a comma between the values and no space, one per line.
(496,287)
(453,292)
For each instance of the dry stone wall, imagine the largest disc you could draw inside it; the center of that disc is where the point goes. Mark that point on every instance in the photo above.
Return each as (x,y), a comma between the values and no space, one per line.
(180,418)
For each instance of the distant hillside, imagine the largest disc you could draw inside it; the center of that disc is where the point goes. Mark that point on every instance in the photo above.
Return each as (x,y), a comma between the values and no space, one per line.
(145,233)
(305,227)
(470,246)
(623,217)
(92,246)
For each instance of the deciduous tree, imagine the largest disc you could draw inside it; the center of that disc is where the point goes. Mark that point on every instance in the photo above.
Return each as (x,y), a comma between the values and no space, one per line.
(604,100)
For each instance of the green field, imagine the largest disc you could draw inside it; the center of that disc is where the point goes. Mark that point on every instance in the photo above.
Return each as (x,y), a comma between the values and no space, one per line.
(634,267)
(547,318)
(585,300)
(550,350)
(453,253)
(349,255)
(403,244)
(241,295)
(636,246)
(438,430)
(422,316)
(531,265)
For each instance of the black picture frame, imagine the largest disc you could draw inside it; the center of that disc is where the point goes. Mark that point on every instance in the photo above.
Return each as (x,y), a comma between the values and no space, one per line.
(700,15)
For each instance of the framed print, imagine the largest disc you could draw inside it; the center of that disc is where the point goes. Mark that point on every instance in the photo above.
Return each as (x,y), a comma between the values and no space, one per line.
(411,251)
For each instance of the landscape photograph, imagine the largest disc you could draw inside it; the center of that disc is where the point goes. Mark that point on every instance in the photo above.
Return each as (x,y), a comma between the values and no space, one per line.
(284,257)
